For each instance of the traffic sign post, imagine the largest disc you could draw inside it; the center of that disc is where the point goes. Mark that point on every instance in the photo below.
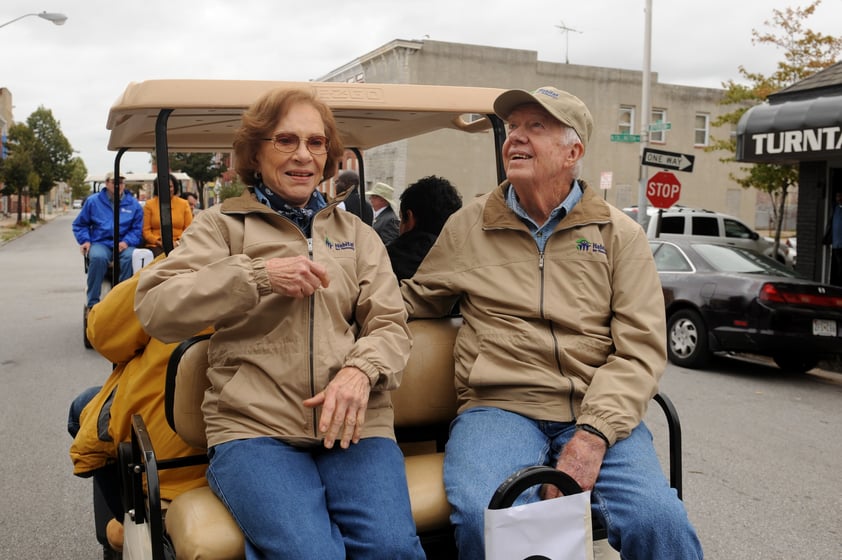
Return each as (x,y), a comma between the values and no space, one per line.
(668,160)
(663,189)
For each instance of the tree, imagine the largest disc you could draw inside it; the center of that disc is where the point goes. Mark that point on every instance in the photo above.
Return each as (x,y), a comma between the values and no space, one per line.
(51,154)
(78,171)
(805,53)
(18,168)
(202,167)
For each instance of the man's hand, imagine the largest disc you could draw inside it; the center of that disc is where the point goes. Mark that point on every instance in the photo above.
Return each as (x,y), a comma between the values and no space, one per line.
(122,246)
(85,247)
(581,458)
(344,402)
(297,277)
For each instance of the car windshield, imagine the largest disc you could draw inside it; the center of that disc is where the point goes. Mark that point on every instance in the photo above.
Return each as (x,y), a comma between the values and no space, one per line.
(736,259)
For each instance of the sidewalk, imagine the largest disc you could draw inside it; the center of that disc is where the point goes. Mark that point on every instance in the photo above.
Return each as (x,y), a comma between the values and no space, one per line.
(9,229)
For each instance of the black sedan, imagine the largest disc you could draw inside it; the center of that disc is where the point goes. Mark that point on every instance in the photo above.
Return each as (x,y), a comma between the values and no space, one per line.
(727,299)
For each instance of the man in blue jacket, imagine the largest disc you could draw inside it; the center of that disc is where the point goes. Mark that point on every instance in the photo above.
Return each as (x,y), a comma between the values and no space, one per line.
(94,231)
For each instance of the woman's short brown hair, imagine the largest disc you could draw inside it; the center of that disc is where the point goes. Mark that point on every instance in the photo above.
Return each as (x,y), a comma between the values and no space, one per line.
(259,122)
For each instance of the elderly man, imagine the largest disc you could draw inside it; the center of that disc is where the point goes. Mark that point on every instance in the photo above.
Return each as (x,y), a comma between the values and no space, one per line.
(94,232)
(386,222)
(562,343)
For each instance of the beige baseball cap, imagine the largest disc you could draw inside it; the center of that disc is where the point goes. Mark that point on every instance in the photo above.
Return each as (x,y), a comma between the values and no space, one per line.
(564,106)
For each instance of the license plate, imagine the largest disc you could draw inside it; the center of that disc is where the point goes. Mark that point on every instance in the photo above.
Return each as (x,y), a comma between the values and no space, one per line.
(824,327)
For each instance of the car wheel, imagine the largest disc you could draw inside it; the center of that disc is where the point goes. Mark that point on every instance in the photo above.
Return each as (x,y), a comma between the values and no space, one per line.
(687,339)
(794,363)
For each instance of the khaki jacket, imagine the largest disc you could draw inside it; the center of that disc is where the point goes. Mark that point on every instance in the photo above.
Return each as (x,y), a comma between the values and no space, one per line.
(574,334)
(135,386)
(270,352)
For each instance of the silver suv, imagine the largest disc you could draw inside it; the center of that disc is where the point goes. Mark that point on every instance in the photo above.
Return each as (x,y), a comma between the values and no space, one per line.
(681,222)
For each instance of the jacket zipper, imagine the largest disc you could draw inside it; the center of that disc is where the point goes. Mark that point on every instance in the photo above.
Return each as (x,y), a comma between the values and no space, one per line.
(312,328)
(555,339)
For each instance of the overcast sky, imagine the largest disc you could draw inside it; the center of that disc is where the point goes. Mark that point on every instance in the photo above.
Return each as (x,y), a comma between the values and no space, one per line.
(79,69)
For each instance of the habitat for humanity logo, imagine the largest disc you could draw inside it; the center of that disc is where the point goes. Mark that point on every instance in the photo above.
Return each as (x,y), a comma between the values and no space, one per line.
(585,246)
(339,245)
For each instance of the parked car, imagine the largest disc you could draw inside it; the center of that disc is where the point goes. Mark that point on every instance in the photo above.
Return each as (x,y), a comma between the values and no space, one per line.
(77,203)
(723,298)
(683,222)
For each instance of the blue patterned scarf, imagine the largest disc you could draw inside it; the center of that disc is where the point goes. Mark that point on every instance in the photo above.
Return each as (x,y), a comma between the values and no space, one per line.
(301,217)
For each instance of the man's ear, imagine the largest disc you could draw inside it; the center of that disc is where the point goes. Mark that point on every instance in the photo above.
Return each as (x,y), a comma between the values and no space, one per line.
(407,221)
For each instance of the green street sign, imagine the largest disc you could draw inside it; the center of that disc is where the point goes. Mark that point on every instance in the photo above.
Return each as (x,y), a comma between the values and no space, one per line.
(660,125)
(625,137)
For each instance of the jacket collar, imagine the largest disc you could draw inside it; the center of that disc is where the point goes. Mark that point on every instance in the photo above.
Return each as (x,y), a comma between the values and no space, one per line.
(590,209)
(247,203)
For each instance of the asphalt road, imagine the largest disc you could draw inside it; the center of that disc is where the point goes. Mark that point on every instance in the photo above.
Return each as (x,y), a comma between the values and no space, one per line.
(762,451)
(45,512)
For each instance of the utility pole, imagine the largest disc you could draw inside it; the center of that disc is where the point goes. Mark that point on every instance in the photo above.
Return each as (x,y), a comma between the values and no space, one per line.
(566,30)
(645,110)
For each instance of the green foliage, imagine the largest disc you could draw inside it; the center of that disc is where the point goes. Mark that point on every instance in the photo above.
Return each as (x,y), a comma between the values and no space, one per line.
(202,167)
(805,53)
(18,170)
(51,153)
(78,171)
(231,190)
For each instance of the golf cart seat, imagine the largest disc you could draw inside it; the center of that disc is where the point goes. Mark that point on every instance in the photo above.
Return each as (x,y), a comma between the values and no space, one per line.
(198,525)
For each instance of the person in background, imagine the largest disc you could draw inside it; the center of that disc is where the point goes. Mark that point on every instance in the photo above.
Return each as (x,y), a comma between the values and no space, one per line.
(833,237)
(193,200)
(350,180)
(93,229)
(182,217)
(562,343)
(135,386)
(385,220)
(310,338)
(425,207)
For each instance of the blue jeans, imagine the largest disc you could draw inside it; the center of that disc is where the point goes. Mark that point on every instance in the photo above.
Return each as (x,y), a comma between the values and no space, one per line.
(76,409)
(99,256)
(642,514)
(315,503)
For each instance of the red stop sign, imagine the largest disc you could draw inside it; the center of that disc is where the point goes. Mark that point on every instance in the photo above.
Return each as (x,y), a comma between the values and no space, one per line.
(663,189)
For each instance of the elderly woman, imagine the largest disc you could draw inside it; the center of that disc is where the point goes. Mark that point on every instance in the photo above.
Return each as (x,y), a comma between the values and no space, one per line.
(182,216)
(310,337)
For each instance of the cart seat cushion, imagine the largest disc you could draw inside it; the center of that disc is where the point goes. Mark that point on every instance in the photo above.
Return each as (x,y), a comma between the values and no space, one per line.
(426,492)
(201,528)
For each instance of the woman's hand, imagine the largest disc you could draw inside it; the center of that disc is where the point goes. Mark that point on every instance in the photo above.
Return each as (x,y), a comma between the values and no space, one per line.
(343,403)
(297,277)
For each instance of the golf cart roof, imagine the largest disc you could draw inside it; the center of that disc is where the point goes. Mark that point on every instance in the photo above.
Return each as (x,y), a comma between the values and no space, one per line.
(206,113)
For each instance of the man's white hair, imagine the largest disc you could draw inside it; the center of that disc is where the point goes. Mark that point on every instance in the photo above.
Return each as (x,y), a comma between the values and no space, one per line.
(568,137)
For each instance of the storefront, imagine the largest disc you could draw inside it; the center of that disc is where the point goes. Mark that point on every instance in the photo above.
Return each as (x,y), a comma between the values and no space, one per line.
(802,124)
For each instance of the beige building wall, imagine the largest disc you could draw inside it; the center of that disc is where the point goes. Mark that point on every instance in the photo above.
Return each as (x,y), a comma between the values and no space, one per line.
(604,90)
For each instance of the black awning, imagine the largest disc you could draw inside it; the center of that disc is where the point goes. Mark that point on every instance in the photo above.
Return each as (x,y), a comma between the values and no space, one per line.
(792,131)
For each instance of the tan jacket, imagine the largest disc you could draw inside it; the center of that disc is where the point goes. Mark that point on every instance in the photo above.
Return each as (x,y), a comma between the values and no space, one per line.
(576,333)
(270,352)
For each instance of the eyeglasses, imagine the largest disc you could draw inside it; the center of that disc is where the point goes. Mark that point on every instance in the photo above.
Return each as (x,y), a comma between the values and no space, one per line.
(288,143)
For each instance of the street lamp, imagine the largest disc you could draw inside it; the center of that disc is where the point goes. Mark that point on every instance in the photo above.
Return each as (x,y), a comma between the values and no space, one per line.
(56,18)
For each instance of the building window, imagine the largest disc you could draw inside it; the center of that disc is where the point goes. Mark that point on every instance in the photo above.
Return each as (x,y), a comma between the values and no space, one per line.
(702,130)
(626,120)
(658,136)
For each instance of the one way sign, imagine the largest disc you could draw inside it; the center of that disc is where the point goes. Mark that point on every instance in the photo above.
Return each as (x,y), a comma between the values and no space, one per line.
(668,160)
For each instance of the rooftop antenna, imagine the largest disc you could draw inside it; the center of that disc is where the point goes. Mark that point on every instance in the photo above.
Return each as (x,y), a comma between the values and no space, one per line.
(566,30)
